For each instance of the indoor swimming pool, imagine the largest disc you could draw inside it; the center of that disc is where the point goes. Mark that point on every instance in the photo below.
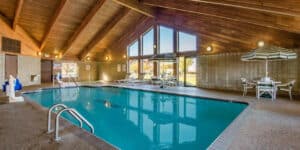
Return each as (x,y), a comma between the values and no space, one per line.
(135,119)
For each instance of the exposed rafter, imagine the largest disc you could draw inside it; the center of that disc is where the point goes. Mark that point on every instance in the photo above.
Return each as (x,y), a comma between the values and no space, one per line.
(234,14)
(83,24)
(101,34)
(17,13)
(143,21)
(251,6)
(52,23)
(137,6)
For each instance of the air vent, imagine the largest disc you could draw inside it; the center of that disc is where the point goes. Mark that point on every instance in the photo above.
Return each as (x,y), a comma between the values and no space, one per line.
(11,45)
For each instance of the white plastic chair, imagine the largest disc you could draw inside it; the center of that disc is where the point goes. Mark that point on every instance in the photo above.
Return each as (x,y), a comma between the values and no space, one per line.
(287,87)
(247,85)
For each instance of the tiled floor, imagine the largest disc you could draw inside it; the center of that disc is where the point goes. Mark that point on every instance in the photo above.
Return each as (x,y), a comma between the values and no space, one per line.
(263,125)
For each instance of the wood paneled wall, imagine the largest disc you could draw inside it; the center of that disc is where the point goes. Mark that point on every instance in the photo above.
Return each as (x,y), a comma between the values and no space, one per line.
(223,71)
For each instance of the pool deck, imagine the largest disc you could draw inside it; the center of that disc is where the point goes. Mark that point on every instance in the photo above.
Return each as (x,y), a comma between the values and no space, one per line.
(263,125)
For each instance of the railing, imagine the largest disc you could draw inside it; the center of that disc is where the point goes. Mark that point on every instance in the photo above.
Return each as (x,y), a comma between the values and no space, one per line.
(73,80)
(73,112)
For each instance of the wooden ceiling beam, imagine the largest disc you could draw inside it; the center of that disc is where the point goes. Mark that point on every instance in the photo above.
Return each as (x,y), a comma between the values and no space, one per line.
(103,32)
(259,6)
(52,23)
(142,24)
(232,14)
(137,6)
(17,13)
(83,25)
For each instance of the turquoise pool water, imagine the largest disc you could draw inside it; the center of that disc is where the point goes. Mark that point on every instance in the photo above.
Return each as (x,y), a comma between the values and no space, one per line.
(139,120)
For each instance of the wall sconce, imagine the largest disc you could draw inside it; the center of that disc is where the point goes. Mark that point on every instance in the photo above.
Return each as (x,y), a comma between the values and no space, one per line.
(46,55)
(154,46)
(107,58)
(260,43)
(88,58)
(124,56)
(209,48)
(39,53)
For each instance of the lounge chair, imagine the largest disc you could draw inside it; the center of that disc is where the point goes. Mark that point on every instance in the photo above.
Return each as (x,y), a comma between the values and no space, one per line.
(140,80)
(287,87)
(155,80)
(126,79)
(247,85)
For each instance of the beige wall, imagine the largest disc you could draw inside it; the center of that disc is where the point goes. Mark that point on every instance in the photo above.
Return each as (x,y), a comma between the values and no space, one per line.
(223,71)
(88,73)
(2,70)
(28,66)
(108,71)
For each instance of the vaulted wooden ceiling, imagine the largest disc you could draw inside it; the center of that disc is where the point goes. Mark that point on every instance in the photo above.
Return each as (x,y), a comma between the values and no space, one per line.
(230,25)
(80,28)
(73,28)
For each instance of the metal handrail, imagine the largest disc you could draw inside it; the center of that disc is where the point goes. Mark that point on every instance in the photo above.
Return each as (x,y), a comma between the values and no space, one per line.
(74,81)
(74,113)
(64,107)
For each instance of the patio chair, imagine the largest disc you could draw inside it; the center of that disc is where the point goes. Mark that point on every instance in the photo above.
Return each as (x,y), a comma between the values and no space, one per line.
(287,87)
(266,88)
(140,80)
(247,85)
(172,81)
(155,80)
(126,79)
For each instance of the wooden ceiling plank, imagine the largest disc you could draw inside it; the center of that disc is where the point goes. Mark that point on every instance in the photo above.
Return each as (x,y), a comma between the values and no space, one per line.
(197,8)
(53,22)
(256,7)
(103,32)
(137,6)
(83,24)
(17,13)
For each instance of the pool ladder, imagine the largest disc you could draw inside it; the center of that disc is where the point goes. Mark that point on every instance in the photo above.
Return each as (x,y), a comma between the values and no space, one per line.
(72,112)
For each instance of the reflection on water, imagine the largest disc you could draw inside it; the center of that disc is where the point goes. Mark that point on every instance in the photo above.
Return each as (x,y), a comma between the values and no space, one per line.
(144,120)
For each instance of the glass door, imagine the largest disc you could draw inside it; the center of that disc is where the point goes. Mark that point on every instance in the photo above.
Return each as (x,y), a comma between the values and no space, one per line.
(190,71)
(187,67)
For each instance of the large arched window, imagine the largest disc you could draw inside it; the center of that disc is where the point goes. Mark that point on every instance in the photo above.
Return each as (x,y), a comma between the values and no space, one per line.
(157,41)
